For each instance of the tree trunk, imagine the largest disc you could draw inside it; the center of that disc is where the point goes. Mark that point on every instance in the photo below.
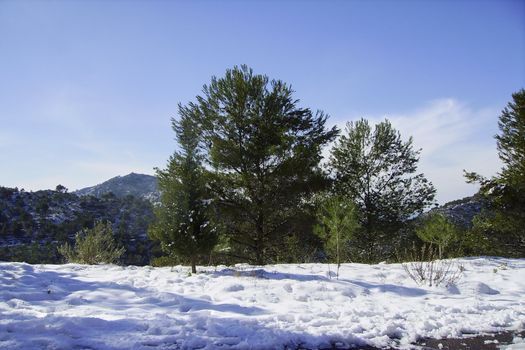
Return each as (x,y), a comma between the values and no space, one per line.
(338,253)
(259,244)
(259,258)
(193,265)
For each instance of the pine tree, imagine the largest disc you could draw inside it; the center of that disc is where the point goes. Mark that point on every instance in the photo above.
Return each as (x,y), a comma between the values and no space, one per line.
(337,223)
(504,223)
(182,220)
(376,169)
(511,141)
(264,152)
(438,230)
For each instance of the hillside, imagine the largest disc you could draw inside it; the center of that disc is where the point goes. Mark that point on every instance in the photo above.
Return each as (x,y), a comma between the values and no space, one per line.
(462,211)
(293,306)
(138,185)
(32,224)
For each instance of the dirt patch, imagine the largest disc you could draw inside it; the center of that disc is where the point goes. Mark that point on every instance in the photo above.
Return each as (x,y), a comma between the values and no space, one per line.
(491,341)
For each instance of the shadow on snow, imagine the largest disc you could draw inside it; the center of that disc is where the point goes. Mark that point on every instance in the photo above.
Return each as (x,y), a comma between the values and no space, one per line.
(41,316)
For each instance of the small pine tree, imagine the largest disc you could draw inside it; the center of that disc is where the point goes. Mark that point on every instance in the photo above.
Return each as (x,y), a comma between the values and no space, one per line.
(182,224)
(93,246)
(438,230)
(337,223)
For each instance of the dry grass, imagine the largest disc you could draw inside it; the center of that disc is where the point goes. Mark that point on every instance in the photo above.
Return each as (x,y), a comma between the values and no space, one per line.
(425,269)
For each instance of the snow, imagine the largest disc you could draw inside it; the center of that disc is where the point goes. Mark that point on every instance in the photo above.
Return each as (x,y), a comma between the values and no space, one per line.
(245,307)
(518,343)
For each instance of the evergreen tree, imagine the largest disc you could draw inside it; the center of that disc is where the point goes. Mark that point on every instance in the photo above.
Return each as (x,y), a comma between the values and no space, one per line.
(376,169)
(511,141)
(264,152)
(61,189)
(504,223)
(182,220)
(337,223)
(438,230)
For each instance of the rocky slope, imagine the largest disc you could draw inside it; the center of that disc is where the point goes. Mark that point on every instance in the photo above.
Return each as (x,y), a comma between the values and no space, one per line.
(138,185)
(33,224)
(462,211)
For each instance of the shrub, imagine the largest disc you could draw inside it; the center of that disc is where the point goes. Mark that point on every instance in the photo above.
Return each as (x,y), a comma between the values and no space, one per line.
(93,246)
(424,269)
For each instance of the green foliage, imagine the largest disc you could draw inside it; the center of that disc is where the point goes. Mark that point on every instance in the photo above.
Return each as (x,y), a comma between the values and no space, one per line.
(263,152)
(511,141)
(61,189)
(93,246)
(47,217)
(183,224)
(377,170)
(42,207)
(33,253)
(299,248)
(163,261)
(504,223)
(337,223)
(438,230)
(478,240)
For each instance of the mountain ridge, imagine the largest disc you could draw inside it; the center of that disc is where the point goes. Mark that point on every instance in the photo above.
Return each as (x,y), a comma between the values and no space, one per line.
(138,185)
(462,211)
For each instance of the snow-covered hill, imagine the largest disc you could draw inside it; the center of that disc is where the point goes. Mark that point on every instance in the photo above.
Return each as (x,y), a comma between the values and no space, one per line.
(113,307)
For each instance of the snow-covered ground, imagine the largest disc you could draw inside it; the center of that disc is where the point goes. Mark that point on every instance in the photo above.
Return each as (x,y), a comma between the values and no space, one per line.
(112,307)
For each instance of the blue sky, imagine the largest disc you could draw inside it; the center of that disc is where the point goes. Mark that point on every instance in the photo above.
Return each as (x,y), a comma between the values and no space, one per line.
(87,88)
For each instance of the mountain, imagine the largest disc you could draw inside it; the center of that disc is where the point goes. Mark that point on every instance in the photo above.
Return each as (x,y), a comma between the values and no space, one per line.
(138,185)
(33,224)
(462,211)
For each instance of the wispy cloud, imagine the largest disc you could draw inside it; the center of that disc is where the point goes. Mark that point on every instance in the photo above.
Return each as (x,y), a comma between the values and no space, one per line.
(453,137)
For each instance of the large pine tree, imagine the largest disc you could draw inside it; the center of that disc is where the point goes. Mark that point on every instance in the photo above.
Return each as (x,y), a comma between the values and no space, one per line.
(377,170)
(263,152)
(503,225)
